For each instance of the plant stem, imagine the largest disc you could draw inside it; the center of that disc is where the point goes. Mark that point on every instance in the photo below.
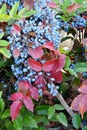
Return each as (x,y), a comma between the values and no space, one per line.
(65,105)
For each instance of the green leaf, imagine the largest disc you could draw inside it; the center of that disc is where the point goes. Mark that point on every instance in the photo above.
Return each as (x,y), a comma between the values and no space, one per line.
(72,72)
(18,123)
(42,110)
(3,9)
(5,52)
(6,114)
(1,35)
(68,62)
(0,94)
(9,125)
(81,67)
(30,13)
(76,121)
(41,128)
(14,9)
(29,121)
(4,43)
(16,16)
(22,11)
(58,107)
(51,112)
(5,18)
(2,63)
(41,119)
(75,83)
(64,87)
(57,1)
(2,105)
(62,119)
(85,128)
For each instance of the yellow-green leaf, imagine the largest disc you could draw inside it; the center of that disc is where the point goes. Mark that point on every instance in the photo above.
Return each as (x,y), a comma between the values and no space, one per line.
(4,43)
(5,52)
(14,9)
(30,13)
(1,35)
(4,18)
(3,9)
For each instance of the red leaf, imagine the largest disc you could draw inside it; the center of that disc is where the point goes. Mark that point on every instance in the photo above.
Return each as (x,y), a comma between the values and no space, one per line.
(28,3)
(83,105)
(40,82)
(34,93)
(23,86)
(16,28)
(85,17)
(52,4)
(49,45)
(28,103)
(49,65)
(57,75)
(15,109)
(55,64)
(84,82)
(16,53)
(61,62)
(16,96)
(36,53)
(35,65)
(76,101)
(73,7)
(83,88)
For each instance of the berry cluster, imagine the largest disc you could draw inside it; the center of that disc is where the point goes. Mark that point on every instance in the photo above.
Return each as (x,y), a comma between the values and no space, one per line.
(34,32)
(79,22)
(11,3)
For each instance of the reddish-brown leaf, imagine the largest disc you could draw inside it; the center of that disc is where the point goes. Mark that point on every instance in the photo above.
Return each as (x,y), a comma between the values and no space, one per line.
(28,3)
(52,4)
(61,62)
(16,53)
(15,109)
(55,64)
(40,82)
(83,87)
(35,65)
(50,65)
(83,105)
(36,53)
(73,7)
(76,101)
(16,96)
(84,82)
(16,28)
(85,17)
(49,45)
(34,93)
(28,103)
(57,75)
(23,86)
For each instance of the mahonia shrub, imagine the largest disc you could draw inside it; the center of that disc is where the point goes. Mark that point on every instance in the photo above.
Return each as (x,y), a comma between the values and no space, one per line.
(38,64)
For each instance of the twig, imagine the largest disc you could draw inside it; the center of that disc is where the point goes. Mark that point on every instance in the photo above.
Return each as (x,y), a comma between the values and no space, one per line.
(65,105)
